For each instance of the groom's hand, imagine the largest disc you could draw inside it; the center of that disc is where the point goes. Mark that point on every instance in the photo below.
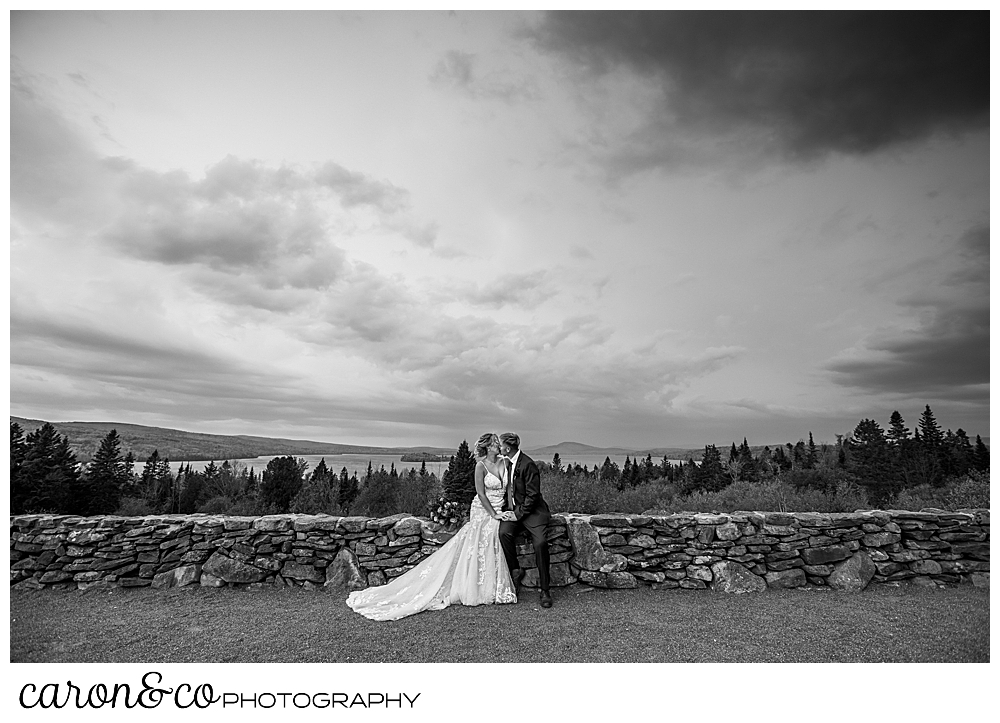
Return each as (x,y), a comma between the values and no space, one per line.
(508,516)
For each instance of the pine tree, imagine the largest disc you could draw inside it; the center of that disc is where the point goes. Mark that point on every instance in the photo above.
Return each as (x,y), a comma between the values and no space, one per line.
(870,460)
(107,476)
(930,431)
(149,477)
(281,481)
(50,475)
(557,463)
(931,459)
(981,455)
(711,473)
(748,465)
(131,481)
(18,450)
(648,469)
(459,480)
(609,473)
(317,493)
(811,456)
(349,489)
(961,455)
(898,433)
(626,478)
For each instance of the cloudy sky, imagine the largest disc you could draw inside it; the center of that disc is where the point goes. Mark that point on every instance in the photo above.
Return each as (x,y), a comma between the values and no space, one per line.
(410,228)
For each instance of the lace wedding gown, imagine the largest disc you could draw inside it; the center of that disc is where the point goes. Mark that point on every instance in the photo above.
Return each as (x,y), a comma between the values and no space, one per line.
(469,569)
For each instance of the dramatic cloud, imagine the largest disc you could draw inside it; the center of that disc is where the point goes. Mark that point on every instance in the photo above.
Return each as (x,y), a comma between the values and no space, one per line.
(799,83)
(948,354)
(398,228)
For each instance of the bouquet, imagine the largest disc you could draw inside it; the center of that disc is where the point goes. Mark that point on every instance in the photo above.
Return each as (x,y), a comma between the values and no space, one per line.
(446,512)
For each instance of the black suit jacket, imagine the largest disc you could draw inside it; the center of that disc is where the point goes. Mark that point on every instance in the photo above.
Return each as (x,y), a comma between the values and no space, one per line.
(528,500)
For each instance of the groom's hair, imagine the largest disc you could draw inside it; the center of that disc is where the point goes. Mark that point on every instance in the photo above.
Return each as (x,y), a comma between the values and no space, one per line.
(511,439)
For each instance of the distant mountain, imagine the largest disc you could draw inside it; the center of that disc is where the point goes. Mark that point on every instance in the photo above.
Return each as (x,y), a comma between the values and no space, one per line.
(176,445)
(568,450)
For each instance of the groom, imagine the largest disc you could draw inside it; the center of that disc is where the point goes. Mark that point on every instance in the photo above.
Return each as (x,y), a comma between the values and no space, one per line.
(523,508)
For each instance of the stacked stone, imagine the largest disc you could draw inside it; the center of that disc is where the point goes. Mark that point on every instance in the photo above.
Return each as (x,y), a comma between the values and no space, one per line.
(560,553)
(752,551)
(739,552)
(935,546)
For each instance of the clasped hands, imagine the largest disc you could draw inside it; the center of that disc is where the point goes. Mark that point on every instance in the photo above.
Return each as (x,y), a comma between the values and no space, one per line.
(507,516)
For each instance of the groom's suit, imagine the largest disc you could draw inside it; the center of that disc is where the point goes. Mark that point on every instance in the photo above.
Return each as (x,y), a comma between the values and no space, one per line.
(524,490)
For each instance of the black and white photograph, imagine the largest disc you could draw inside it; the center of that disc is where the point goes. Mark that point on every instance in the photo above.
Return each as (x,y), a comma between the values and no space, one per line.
(533,336)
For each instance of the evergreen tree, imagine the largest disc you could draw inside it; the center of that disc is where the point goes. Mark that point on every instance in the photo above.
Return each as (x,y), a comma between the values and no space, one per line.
(711,473)
(799,455)
(869,458)
(317,493)
(981,456)
(930,431)
(748,465)
(147,478)
(459,480)
(378,495)
(423,469)
(131,483)
(811,456)
(648,469)
(281,481)
(931,458)
(557,463)
(609,472)
(841,452)
(961,455)
(156,482)
(18,450)
(349,488)
(898,433)
(627,475)
(49,479)
(107,476)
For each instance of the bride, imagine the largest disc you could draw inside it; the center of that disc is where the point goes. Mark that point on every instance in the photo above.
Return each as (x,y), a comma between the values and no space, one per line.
(469,568)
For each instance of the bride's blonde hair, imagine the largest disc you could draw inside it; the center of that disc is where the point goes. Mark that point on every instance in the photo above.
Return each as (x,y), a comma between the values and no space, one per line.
(483,445)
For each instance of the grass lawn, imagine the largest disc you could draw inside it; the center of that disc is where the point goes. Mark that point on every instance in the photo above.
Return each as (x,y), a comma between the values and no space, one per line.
(210,625)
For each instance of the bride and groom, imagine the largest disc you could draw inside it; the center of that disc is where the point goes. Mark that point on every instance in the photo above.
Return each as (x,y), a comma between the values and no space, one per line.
(478,566)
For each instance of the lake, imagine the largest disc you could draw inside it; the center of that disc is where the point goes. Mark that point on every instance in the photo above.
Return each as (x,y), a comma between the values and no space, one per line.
(358,463)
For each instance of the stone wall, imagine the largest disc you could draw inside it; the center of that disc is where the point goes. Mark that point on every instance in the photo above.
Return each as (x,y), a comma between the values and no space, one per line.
(738,552)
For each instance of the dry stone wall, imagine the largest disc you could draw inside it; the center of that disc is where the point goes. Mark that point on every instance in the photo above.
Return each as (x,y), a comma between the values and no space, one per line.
(738,552)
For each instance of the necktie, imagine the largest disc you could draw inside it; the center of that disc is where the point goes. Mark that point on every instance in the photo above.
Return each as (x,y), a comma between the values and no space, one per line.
(510,484)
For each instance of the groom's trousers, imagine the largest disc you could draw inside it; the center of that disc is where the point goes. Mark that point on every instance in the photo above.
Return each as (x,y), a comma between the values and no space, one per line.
(536,526)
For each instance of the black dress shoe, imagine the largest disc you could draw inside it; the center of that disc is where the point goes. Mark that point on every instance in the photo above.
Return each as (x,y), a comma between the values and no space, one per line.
(546,599)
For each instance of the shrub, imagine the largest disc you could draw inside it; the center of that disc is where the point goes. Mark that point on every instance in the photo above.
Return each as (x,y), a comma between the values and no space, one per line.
(580,493)
(134,507)
(770,495)
(415,494)
(970,490)
(218,505)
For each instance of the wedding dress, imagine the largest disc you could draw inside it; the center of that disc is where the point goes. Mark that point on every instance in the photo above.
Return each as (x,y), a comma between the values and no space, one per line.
(469,569)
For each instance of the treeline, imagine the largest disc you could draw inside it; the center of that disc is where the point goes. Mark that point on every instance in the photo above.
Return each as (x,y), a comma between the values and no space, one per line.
(45,476)
(872,468)
(883,463)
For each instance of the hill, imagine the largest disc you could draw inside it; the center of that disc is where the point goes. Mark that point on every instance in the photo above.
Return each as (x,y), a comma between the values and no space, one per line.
(568,450)
(177,445)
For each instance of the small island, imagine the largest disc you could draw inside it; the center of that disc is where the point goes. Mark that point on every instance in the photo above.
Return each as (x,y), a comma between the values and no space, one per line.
(424,457)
